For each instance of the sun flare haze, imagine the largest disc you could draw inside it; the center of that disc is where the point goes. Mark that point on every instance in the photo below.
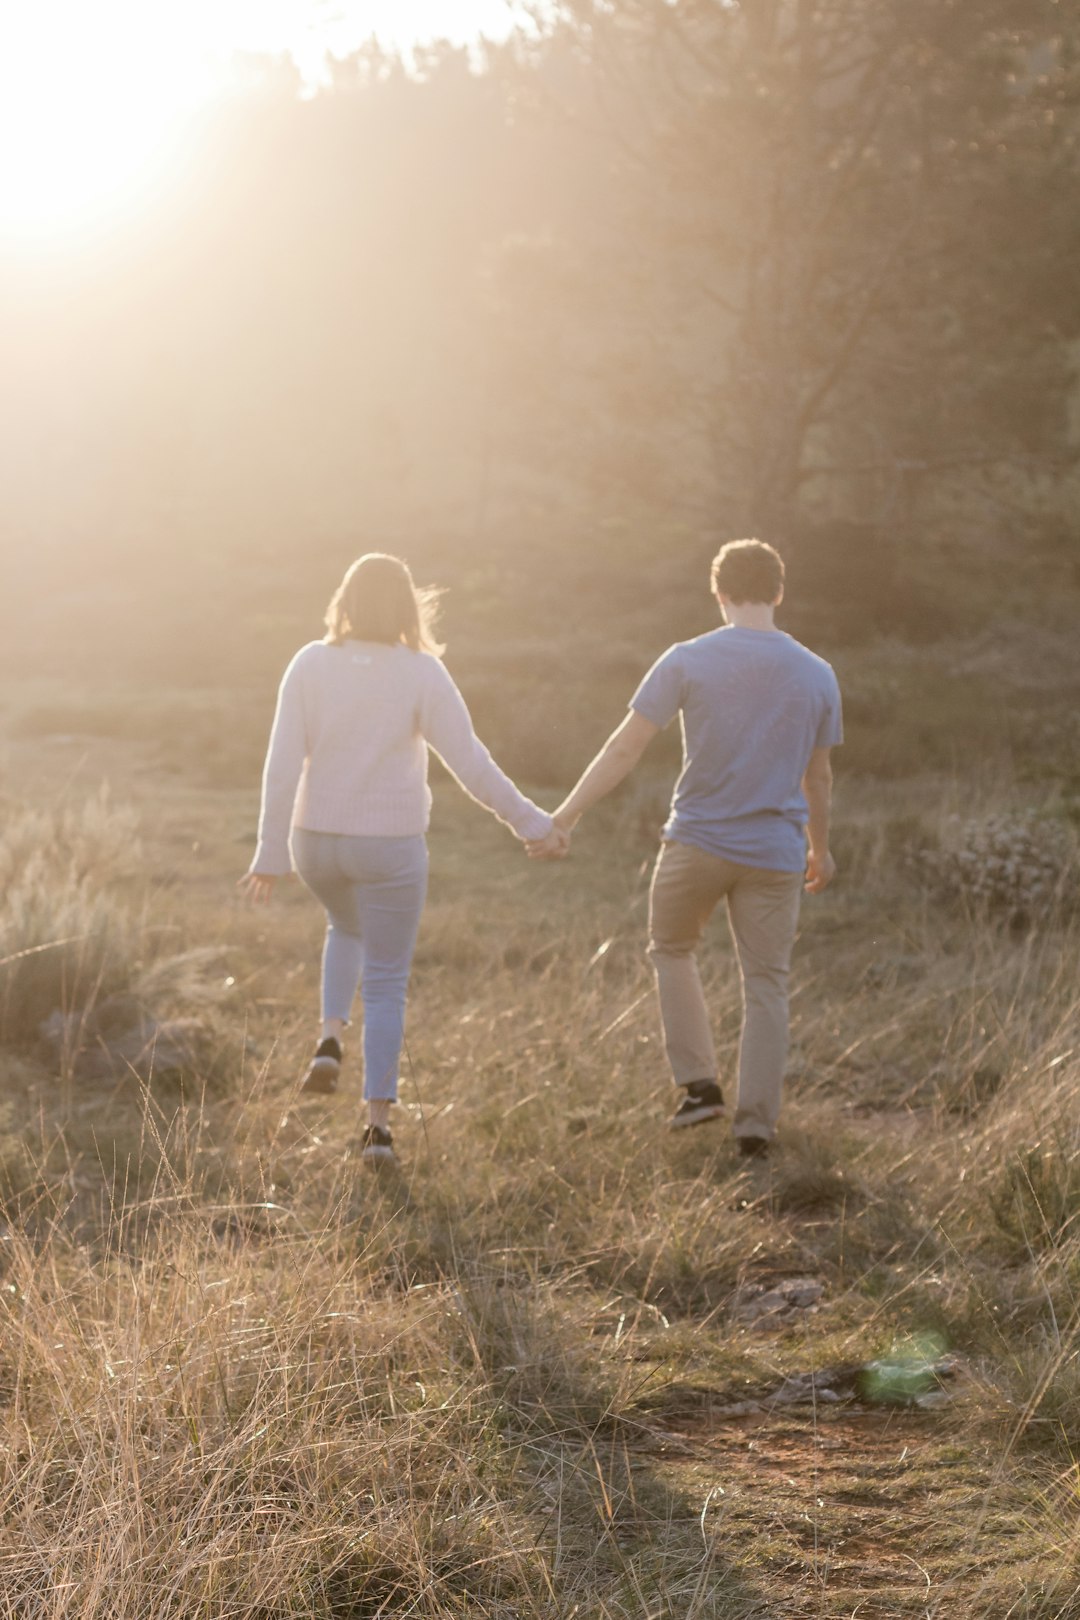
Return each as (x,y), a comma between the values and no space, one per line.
(87,103)
(655,1190)
(95,99)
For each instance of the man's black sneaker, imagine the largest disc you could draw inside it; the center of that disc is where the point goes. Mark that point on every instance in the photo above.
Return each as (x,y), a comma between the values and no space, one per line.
(754,1147)
(704,1100)
(376,1146)
(322,1076)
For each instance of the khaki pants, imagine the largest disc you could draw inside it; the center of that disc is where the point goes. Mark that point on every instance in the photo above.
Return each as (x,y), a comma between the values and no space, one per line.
(763,911)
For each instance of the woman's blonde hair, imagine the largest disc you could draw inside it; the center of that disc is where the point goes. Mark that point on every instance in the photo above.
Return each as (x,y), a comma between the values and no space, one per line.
(377,601)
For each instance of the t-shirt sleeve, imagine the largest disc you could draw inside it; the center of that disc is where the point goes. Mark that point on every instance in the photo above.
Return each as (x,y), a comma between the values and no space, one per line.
(660,695)
(830,732)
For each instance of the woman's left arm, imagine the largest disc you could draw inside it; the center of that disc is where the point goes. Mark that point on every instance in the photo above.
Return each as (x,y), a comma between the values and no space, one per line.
(448,728)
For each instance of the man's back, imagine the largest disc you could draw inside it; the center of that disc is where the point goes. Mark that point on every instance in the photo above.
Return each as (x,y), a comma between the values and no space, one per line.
(754,705)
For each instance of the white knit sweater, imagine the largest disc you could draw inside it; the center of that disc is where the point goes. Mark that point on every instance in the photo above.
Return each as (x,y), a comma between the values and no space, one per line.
(349,745)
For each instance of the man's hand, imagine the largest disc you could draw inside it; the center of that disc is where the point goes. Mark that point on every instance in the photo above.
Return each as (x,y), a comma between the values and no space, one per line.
(554,847)
(820,871)
(258,887)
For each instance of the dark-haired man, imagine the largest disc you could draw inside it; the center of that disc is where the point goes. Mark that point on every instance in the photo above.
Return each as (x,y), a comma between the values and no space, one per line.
(749,824)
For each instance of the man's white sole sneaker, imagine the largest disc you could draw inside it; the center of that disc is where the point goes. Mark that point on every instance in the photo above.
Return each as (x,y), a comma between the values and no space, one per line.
(704,1100)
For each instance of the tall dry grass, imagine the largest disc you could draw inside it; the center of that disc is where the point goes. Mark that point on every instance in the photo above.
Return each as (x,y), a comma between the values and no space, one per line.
(242,1377)
(66,932)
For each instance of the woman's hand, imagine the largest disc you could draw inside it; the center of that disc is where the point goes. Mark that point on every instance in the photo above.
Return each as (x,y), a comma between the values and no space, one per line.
(258,887)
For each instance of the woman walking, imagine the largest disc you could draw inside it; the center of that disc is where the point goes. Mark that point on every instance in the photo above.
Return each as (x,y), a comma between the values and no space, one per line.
(345,788)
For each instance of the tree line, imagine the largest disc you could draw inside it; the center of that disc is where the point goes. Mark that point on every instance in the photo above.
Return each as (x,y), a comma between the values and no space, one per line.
(794,267)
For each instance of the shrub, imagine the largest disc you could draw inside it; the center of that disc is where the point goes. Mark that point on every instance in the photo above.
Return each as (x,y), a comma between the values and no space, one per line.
(1036,1200)
(66,934)
(1016,866)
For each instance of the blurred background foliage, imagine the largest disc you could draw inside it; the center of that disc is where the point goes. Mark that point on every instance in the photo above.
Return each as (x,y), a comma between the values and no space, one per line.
(553,321)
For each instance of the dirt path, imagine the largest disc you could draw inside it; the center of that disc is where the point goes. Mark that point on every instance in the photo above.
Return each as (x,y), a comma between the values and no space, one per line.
(835,1514)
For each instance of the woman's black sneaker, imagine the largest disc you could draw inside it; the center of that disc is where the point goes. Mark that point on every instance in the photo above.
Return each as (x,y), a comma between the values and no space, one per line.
(704,1100)
(376,1146)
(754,1147)
(322,1076)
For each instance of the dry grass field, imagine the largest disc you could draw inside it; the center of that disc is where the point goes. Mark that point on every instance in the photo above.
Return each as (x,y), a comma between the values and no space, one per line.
(562,1363)
(550,298)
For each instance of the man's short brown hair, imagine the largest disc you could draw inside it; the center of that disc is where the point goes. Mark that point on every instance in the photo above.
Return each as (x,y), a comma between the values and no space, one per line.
(748,571)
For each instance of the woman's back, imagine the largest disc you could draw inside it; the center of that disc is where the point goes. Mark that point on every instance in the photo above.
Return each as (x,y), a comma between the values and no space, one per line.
(348,750)
(362,711)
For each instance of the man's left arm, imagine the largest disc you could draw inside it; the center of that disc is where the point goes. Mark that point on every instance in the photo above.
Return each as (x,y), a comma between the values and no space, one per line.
(817,787)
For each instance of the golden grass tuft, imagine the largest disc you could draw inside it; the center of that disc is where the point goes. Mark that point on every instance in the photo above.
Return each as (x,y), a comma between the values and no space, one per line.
(242,1378)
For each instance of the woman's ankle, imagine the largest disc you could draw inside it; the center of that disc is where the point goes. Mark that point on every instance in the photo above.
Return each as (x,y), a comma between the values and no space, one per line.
(379,1112)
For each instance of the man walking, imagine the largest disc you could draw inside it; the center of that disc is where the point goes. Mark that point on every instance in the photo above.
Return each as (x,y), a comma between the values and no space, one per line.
(749,824)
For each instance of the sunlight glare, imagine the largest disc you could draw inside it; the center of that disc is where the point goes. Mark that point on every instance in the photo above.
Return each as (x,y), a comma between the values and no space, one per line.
(89,96)
(94,96)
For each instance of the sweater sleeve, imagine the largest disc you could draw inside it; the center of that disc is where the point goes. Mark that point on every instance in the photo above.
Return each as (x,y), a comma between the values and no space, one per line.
(281,775)
(448,729)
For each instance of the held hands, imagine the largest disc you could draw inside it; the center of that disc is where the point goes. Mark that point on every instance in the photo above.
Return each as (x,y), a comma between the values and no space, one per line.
(555,847)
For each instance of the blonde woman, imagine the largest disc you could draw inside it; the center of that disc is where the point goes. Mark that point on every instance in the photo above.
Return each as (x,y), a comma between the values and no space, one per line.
(345,791)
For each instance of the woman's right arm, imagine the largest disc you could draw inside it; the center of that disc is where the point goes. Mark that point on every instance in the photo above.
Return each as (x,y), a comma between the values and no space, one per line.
(448,729)
(281,774)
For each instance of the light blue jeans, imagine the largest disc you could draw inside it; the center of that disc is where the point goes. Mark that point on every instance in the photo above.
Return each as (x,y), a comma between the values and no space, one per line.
(373,890)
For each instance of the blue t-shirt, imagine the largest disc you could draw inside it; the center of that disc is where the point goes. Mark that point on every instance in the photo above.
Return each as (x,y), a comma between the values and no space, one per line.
(754,704)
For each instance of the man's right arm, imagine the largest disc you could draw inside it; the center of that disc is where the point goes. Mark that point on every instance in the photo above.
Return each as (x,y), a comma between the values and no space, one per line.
(817,786)
(656,702)
(615,761)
